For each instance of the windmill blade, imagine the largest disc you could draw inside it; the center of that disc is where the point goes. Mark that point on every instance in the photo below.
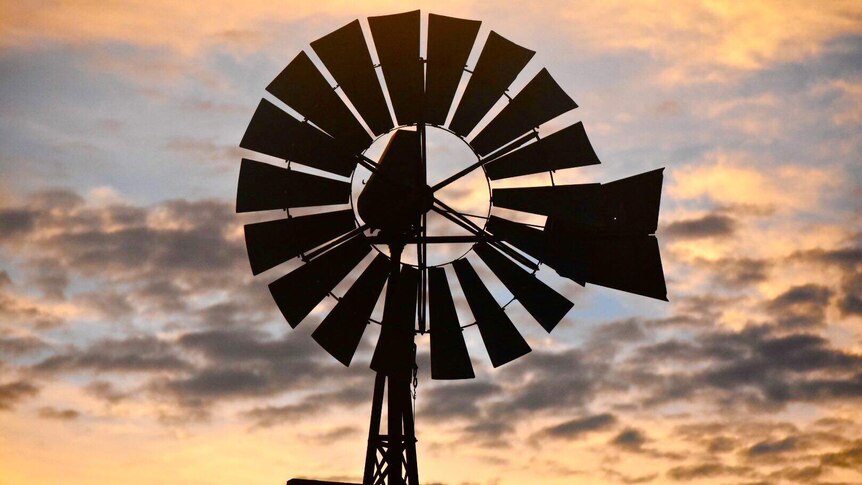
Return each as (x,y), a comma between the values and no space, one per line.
(525,238)
(499,334)
(499,64)
(450,41)
(394,350)
(632,204)
(302,87)
(396,38)
(274,242)
(266,187)
(541,100)
(566,148)
(449,357)
(562,200)
(345,55)
(631,264)
(545,305)
(341,330)
(298,292)
(276,133)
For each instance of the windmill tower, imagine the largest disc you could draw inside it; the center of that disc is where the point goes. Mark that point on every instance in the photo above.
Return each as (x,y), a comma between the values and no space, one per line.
(593,233)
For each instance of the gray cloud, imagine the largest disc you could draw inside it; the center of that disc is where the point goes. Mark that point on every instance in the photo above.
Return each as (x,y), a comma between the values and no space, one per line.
(737,272)
(768,447)
(552,381)
(721,444)
(851,302)
(457,400)
(17,346)
(16,221)
(12,393)
(850,457)
(337,434)
(235,364)
(49,276)
(801,306)
(751,367)
(134,354)
(807,474)
(608,337)
(629,439)
(710,225)
(18,313)
(49,412)
(106,391)
(203,150)
(579,426)
(111,304)
(707,470)
(313,404)
(846,257)
(94,240)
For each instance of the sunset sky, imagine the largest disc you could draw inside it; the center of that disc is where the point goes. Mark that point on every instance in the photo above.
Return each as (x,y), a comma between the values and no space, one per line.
(136,347)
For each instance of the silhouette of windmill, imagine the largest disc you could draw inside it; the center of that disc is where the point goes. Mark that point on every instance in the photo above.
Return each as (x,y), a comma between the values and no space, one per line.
(594,233)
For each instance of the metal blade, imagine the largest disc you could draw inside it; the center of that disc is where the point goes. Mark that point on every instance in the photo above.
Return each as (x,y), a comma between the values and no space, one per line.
(501,338)
(631,264)
(276,133)
(627,206)
(566,148)
(525,238)
(341,330)
(302,87)
(265,187)
(450,41)
(274,242)
(498,65)
(561,200)
(345,55)
(631,204)
(395,345)
(449,357)
(541,100)
(545,305)
(298,292)
(396,38)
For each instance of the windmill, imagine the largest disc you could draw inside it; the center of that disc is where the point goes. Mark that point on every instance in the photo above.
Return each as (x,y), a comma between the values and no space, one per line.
(593,233)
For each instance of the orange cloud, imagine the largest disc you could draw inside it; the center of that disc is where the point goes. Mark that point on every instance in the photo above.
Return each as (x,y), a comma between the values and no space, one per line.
(182,26)
(699,39)
(730,179)
(702,38)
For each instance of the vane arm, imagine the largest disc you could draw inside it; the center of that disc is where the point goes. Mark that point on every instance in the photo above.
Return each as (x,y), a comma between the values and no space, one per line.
(483,161)
(465,223)
(335,242)
(432,239)
(367,162)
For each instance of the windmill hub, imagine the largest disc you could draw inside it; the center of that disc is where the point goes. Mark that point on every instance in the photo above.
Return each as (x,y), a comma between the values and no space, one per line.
(446,154)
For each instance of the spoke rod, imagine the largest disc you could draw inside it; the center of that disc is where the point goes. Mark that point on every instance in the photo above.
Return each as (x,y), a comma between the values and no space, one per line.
(483,161)
(349,235)
(434,239)
(466,224)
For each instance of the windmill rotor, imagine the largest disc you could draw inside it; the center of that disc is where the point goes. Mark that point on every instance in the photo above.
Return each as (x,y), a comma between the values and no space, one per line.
(601,234)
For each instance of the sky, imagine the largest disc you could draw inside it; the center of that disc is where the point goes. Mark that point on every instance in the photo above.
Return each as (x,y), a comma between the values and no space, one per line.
(137,347)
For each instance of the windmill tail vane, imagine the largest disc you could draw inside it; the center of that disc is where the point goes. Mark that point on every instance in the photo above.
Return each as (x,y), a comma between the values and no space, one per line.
(602,234)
